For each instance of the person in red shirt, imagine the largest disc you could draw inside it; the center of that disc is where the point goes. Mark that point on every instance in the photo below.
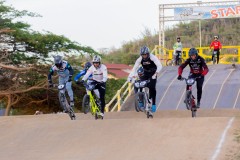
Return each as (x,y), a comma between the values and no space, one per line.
(217,46)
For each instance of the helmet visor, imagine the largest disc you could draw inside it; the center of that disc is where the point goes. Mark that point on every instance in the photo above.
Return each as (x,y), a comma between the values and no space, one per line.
(58,65)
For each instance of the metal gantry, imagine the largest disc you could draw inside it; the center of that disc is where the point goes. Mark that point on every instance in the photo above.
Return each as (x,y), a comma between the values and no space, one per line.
(163,18)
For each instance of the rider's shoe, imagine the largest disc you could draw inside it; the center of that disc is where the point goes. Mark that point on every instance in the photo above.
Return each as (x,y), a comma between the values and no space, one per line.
(72,104)
(101,114)
(65,111)
(198,105)
(154,108)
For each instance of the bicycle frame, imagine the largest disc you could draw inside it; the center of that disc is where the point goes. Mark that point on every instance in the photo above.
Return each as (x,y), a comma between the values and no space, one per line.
(63,101)
(189,98)
(93,106)
(171,62)
(142,90)
(62,96)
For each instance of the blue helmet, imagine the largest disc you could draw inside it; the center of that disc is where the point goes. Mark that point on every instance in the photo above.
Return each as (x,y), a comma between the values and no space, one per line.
(87,65)
(192,51)
(140,72)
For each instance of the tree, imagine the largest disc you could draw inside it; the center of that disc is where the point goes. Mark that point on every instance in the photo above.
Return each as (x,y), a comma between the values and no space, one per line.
(24,59)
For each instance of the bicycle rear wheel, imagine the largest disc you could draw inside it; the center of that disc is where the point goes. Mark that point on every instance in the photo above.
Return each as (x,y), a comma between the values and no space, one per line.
(71,114)
(86,104)
(194,112)
(169,62)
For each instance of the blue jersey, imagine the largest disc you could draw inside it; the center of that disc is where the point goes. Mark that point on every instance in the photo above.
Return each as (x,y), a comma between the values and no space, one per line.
(80,74)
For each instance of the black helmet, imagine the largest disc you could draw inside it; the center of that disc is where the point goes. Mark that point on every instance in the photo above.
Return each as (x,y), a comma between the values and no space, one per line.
(140,72)
(192,51)
(87,65)
(145,50)
(58,61)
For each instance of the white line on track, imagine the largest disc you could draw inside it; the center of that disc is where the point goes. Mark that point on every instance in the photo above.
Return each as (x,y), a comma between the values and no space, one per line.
(234,106)
(223,136)
(166,92)
(221,89)
(161,74)
(208,79)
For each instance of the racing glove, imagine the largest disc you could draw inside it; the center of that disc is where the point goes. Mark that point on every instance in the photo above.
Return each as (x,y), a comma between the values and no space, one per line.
(179,77)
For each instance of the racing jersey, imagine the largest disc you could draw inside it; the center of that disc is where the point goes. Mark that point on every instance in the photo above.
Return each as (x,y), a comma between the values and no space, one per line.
(65,71)
(197,66)
(98,74)
(216,45)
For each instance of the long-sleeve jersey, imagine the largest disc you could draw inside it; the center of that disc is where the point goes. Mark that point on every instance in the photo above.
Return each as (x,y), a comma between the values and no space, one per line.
(151,65)
(197,66)
(80,74)
(65,71)
(178,46)
(216,45)
(98,74)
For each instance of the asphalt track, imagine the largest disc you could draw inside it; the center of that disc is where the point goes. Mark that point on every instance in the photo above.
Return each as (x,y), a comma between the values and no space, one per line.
(171,135)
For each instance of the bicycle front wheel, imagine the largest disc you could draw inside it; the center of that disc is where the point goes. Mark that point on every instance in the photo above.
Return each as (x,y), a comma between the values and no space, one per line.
(140,102)
(188,99)
(86,104)
(214,59)
(181,61)
(62,102)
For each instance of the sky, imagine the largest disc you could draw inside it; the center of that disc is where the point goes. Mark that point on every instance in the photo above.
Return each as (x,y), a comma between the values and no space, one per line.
(95,23)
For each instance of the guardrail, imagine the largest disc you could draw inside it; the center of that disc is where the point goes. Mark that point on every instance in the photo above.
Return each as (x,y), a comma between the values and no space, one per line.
(120,97)
(228,55)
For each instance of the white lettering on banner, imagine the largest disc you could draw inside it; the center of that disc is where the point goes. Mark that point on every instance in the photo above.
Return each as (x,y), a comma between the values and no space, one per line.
(226,12)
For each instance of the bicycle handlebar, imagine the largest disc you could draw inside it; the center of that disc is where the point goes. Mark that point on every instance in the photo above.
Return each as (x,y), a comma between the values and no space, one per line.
(183,78)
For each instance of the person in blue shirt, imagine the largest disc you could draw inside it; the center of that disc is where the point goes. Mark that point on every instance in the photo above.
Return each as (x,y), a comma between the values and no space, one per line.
(83,72)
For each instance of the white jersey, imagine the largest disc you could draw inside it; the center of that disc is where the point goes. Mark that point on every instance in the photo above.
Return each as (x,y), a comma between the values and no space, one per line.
(99,74)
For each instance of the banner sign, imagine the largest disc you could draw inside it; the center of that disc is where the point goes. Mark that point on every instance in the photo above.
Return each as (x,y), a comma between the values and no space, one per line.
(212,12)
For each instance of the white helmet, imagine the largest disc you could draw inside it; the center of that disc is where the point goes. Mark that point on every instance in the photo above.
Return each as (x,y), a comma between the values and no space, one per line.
(96,59)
